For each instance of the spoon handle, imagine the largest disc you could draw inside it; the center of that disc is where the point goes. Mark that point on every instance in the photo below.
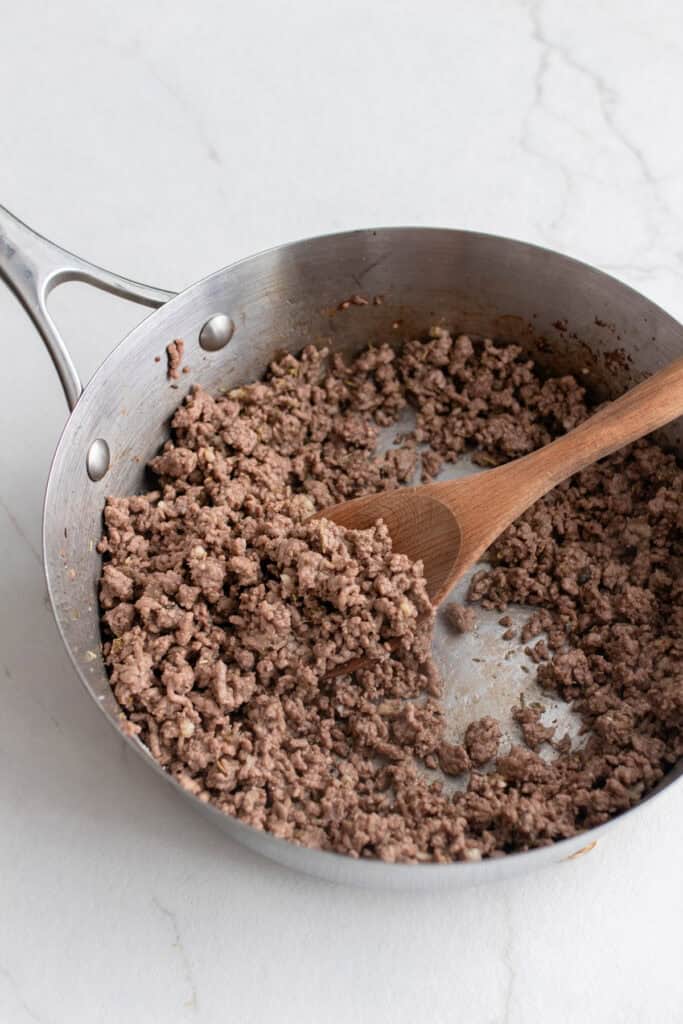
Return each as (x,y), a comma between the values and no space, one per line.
(485,504)
(646,407)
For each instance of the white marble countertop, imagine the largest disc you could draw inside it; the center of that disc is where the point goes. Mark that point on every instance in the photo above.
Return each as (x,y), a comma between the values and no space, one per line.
(164,141)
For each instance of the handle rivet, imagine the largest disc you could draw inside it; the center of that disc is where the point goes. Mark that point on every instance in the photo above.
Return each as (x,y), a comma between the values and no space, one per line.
(216,332)
(98,459)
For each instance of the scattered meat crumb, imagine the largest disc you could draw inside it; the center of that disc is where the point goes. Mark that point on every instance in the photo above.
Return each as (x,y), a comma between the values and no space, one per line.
(174,357)
(453,759)
(432,464)
(529,720)
(461,618)
(564,744)
(481,740)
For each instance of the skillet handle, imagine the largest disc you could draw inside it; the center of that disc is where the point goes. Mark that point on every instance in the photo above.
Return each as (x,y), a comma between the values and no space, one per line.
(32,266)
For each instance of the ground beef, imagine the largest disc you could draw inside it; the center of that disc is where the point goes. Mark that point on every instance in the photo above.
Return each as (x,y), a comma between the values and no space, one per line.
(459,617)
(453,759)
(481,740)
(174,357)
(432,463)
(229,618)
(529,721)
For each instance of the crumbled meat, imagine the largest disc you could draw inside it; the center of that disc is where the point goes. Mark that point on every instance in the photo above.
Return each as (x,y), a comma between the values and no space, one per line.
(481,740)
(174,357)
(432,464)
(460,618)
(524,766)
(224,608)
(533,730)
(453,759)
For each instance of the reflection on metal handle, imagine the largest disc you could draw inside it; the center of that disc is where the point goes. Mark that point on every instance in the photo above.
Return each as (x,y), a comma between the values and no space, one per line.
(32,266)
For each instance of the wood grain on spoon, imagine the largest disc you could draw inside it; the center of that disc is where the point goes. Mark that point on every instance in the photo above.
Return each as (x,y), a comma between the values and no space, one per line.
(449,525)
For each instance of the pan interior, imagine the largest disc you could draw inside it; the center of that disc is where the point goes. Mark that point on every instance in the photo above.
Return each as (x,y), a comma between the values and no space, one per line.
(482,673)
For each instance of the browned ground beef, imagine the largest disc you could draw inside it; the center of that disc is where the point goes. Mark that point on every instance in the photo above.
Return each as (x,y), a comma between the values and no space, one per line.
(224,609)
(460,617)
(481,740)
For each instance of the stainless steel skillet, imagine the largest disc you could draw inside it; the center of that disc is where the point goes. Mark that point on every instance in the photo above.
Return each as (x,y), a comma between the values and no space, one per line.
(568,315)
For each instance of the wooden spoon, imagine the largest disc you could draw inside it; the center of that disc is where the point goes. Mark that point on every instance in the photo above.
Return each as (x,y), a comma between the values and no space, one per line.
(449,525)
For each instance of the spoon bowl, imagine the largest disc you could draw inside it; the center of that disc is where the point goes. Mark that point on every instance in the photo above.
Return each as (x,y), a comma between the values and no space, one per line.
(420,526)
